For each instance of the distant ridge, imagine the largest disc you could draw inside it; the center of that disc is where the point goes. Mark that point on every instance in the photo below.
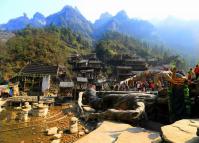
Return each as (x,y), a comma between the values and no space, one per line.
(174,33)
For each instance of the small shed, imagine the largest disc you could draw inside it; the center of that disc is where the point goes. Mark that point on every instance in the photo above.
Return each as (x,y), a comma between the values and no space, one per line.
(66,89)
(80,85)
(38,78)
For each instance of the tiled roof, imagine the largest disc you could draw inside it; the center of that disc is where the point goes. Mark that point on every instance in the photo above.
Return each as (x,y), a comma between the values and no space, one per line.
(40,69)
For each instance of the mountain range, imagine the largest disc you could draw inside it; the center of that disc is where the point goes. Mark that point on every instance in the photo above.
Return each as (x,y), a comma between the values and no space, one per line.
(179,34)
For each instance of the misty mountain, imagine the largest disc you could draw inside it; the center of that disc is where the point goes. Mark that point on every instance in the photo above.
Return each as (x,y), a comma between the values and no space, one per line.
(70,18)
(174,33)
(38,20)
(122,23)
(179,34)
(22,22)
(104,18)
(16,24)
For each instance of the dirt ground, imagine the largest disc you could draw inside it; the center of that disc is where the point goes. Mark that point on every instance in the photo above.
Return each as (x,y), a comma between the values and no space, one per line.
(68,111)
(34,131)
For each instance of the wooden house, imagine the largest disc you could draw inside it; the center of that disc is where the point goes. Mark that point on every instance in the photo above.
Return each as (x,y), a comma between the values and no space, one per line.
(137,65)
(88,68)
(123,72)
(91,56)
(37,78)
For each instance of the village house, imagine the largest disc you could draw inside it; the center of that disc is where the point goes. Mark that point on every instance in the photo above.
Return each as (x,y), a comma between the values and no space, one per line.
(123,72)
(39,79)
(89,67)
(127,65)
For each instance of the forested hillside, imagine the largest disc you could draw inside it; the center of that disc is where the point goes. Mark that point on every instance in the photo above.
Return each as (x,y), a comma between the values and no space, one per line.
(48,45)
(114,43)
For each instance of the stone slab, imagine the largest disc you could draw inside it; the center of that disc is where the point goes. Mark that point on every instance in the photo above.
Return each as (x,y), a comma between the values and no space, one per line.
(138,137)
(182,131)
(114,132)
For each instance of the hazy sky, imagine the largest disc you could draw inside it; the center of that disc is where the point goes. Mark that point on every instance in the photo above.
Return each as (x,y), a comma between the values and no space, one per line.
(91,9)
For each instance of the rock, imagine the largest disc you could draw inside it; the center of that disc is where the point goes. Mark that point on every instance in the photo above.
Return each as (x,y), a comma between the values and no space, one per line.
(57,136)
(52,131)
(181,131)
(109,132)
(56,141)
(86,131)
(73,125)
(40,110)
(88,109)
(70,106)
(23,115)
(74,119)
(60,132)
(136,137)
(105,133)
(28,106)
(81,133)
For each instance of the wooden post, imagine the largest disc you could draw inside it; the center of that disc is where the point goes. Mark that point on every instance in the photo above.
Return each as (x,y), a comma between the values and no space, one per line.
(24,84)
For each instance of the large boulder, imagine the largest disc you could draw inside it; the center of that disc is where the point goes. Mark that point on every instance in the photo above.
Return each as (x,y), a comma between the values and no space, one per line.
(114,132)
(182,131)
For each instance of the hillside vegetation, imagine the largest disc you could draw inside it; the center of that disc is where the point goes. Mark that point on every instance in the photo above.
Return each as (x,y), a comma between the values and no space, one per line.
(113,44)
(49,45)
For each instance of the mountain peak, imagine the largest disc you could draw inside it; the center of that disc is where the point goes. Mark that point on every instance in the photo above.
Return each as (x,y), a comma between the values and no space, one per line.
(122,15)
(38,15)
(69,8)
(38,20)
(105,15)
